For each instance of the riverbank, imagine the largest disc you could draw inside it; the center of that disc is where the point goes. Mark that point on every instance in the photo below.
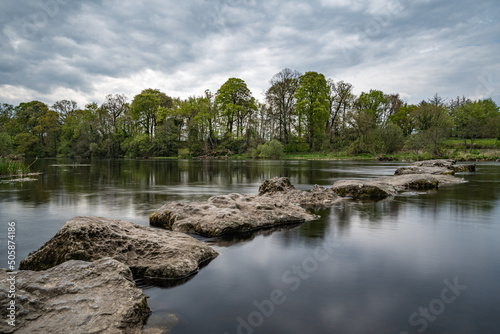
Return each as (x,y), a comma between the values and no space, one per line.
(477,155)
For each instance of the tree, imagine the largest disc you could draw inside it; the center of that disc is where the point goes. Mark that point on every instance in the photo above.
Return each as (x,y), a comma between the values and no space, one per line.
(115,106)
(312,108)
(6,119)
(6,114)
(373,103)
(387,139)
(34,124)
(145,108)
(235,104)
(281,100)
(65,108)
(340,100)
(404,118)
(472,118)
(433,125)
(49,129)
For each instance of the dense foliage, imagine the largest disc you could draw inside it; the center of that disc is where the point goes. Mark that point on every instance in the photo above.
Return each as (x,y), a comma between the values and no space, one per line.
(301,113)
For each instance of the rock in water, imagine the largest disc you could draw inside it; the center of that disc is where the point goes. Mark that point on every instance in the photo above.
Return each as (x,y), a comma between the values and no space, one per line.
(280,188)
(225,214)
(435,163)
(363,189)
(430,170)
(147,251)
(412,181)
(275,185)
(75,297)
(463,168)
(436,167)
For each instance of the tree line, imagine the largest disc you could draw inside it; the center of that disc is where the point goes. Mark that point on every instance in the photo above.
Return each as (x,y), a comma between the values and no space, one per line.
(300,113)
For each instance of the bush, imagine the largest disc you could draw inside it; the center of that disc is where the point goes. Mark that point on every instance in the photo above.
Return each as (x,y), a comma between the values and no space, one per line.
(387,140)
(138,146)
(184,153)
(6,144)
(297,145)
(271,150)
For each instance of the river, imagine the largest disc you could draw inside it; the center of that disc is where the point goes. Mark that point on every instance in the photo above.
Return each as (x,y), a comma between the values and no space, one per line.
(417,263)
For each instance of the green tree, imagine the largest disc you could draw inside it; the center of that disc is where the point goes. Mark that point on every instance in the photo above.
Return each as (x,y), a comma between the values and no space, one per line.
(65,108)
(146,106)
(471,119)
(374,103)
(340,100)
(236,105)
(6,119)
(37,129)
(203,133)
(432,124)
(312,108)
(387,139)
(281,100)
(404,118)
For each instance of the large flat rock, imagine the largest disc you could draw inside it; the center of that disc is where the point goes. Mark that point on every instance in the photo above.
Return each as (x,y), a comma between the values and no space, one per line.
(149,252)
(430,170)
(371,189)
(75,297)
(230,213)
(436,167)
(412,181)
(435,163)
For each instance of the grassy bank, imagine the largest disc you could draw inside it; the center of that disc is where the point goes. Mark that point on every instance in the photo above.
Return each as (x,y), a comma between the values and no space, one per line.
(9,167)
(460,155)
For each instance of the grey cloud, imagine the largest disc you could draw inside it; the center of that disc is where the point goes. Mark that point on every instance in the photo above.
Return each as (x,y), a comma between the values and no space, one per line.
(75,45)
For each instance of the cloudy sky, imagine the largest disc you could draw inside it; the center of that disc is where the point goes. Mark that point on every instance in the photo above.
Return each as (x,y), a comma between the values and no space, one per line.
(83,50)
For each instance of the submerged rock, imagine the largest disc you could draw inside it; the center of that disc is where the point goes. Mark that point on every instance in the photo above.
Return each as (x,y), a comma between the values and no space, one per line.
(225,214)
(363,189)
(75,297)
(147,251)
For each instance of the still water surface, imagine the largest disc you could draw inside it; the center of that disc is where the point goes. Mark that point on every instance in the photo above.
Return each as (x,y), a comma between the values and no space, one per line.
(419,263)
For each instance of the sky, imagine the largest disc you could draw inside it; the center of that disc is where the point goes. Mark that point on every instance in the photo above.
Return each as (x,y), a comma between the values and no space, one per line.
(52,50)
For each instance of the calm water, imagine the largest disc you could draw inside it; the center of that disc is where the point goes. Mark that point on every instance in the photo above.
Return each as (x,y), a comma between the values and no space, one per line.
(419,263)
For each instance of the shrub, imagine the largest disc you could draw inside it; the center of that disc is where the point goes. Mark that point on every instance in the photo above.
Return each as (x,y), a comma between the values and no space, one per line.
(10,167)
(271,150)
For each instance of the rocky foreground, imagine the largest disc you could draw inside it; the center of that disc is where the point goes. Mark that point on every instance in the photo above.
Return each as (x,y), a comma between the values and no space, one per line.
(75,297)
(279,203)
(148,252)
